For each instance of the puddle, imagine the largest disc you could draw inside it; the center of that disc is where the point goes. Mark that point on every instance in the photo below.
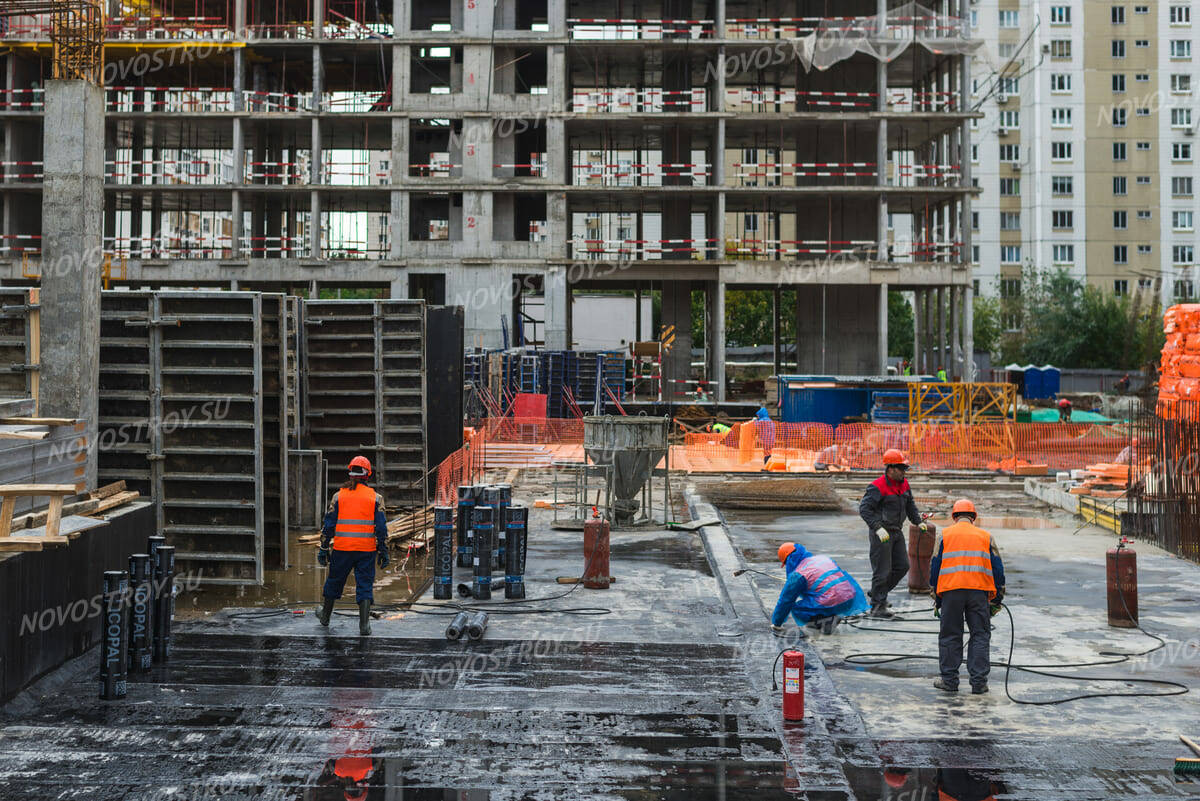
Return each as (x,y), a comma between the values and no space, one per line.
(924,783)
(673,551)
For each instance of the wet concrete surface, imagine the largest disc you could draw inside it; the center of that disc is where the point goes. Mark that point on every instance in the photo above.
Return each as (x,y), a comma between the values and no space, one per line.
(657,688)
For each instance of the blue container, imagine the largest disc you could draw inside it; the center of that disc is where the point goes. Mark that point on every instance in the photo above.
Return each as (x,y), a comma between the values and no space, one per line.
(822,404)
(1051,381)
(1034,384)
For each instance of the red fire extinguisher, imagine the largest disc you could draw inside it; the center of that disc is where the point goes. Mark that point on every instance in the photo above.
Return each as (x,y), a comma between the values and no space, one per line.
(793,685)
(1122,585)
(595,552)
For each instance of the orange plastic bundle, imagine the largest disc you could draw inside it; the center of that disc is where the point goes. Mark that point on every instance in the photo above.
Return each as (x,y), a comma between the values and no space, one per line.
(1179,367)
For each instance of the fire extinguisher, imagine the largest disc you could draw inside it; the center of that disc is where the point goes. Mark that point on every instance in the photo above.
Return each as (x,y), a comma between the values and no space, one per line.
(793,686)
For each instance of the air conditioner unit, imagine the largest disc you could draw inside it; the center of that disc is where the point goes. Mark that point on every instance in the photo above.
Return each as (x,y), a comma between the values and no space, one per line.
(1002,132)
(1016,166)
(1045,48)
(1002,98)
(1190,131)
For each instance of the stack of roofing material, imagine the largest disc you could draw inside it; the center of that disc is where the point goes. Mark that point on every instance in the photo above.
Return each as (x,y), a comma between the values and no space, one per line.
(365,392)
(194,414)
(1179,372)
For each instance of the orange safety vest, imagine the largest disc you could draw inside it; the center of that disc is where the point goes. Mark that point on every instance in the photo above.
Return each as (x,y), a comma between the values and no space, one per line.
(966,559)
(355,529)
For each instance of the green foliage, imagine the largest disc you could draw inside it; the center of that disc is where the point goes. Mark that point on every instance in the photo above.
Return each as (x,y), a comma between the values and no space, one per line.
(986,329)
(900,326)
(1065,322)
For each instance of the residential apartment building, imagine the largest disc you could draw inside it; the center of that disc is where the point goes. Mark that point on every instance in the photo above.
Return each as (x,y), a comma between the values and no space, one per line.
(1086,150)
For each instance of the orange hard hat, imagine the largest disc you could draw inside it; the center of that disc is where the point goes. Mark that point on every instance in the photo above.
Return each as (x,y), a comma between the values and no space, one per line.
(360,466)
(963,507)
(1135,442)
(895,777)
(894,457)
(785,551)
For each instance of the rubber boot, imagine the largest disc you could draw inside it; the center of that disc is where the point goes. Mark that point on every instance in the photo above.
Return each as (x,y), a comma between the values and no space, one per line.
(364,618)
(325,611)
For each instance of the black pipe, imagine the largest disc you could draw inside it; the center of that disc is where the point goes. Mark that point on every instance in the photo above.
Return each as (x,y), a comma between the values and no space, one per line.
(477,625)
(141,616)
(443,552)
(114,653)
(164,601)
(482,519)
(503,502)
(457,626)
(466,502)
(514,564)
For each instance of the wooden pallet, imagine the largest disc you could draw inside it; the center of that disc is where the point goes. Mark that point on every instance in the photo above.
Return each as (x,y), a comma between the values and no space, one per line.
(55,492)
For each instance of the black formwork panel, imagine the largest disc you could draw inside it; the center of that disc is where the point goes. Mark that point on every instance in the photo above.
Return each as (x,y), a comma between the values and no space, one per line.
(444,337)
(193,392)
(364,375)
(19,343)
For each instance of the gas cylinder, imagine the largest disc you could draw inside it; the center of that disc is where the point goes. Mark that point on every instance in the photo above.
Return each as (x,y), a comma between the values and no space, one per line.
(1122,586)
(793,685)
(595,552)
(920,553)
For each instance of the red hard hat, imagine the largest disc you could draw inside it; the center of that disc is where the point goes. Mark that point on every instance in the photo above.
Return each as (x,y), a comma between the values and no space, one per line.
(963,507)
(894,457)
(785,551)
(895,777)
(360,466)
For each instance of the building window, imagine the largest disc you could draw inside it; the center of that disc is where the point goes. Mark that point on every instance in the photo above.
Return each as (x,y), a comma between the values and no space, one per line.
(1120,254)
(1118,82)
(1010,221)
(1181,84)
(1010,187)
(1010,254)
(1181,48)
(1141,9)
(1181,186)
(974,221)
(1010,119)
(1143,180)
(1060,49)
(1118,117)
(1143,112)
(1120,286)
(1120,220)
(975,254)
(1181,15)
(1120,185)
(1145,250)
(1144,284)
(1060,15)
(1120,152)
(1010,86)
(750,223)
(1118,48)
(1143,146)
(974,154)
(1143,214)
(1181,151)
(1142,77)
(1007,49)
(1182,254)
(1060,117)
(1181,118)
(1009,18)
(1064,254)
(1184,289)
(1060,82)
(1062,220)
(1010,288)
(1181,221)
(1141,42)
(1118,15)
(1010,153)
(1062,185)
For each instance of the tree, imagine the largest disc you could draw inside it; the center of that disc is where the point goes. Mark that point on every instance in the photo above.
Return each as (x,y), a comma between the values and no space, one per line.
(900,326)
(986,329)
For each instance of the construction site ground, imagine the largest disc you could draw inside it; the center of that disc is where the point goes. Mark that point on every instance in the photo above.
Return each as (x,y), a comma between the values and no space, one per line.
(658,687)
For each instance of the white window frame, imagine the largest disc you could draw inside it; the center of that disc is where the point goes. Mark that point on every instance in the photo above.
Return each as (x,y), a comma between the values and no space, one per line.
(1183,220)
(1181,151)
(1181,83)
(1060,15)
(1060,117)
(1063,254)
(1180,15)
(1181,49)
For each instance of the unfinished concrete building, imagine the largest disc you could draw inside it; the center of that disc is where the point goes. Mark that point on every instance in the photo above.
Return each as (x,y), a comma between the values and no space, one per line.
(503,156)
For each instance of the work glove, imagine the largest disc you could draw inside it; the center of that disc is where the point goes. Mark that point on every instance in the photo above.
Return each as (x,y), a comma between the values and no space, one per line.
(994,606)
(923,526)
(385,558)
(937,607)
(323,557)
(883,534)
(777,630)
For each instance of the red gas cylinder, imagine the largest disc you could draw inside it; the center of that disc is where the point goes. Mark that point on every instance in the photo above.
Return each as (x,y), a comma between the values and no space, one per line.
(1122,586)
(920,554)
(793,685)
(595,553)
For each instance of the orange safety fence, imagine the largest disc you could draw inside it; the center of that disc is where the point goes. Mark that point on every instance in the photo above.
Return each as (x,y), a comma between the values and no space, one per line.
(534,430)
(463,466)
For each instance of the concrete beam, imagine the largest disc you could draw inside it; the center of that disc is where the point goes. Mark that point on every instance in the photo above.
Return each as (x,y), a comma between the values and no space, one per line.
(72,247)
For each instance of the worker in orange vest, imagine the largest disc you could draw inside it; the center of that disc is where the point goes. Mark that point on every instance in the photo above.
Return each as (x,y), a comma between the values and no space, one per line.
(356,527)
(967,575)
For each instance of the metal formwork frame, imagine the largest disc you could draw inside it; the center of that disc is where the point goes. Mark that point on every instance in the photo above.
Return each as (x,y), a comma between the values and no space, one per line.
(20,343)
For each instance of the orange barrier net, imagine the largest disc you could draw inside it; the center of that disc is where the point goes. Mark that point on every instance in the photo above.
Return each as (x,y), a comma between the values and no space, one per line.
(463,466)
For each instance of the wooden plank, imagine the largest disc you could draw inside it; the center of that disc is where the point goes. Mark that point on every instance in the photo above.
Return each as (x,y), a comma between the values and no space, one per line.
(19,544)
(37,421)
(115,501)
(6,514)
(42,539)
(54,516)
(33,490)
(34,332)
(107,490)
(27,435)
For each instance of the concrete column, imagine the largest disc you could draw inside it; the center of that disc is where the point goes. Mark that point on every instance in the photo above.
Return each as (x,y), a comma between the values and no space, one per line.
(917,338)
(776,302)
(883,328)
(718,85)
(401,76)
(556,17)
(398,223)
(717,156)
(318,7)
(72,220)
(677,311)
(556,78)
(239,19)
(719,30)
(969,372)
(881,180)
(716,336)
(557,302)
(955,332)
(941,329)
(401,16)
(558,165)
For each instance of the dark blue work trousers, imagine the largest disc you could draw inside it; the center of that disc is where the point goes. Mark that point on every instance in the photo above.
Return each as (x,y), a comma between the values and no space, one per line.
(971,606)
(340,565)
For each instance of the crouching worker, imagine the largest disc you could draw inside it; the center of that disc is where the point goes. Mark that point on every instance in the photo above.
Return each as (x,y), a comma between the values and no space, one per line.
(817,592)
(967,575)
(356,527)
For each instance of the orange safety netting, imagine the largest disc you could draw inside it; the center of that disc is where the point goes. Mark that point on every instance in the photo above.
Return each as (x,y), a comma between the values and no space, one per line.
(534,430)
(461,467)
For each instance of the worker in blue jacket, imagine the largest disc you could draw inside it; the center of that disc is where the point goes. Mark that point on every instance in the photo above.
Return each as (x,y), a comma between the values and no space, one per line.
(817,592)
(765,427)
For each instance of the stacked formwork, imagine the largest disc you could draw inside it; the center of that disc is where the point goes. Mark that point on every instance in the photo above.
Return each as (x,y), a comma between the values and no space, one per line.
(364,391)
(20,344)
(193,414)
